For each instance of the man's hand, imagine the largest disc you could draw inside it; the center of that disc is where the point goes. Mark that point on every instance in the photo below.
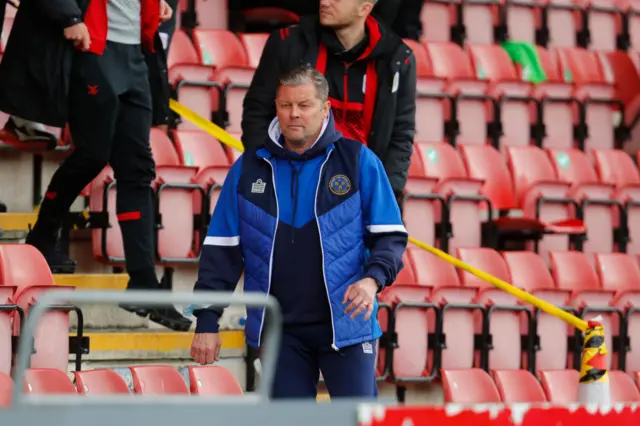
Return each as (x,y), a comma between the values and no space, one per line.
(361,295)
(165,11)
(79,35)
(205,348)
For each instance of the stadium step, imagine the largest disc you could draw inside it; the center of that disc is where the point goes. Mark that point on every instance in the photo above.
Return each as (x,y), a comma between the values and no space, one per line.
(17,221)
(93,281)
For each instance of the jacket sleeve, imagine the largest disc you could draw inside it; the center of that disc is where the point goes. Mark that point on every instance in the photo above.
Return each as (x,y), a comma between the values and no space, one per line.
(63,12)
(386,236)
(398,155)
(221,261)
(259,102)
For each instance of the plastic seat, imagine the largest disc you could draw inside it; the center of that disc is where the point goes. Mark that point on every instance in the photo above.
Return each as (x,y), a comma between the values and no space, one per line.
(24,269)
(592,81)
(472,113)
(517,386)
(6,330)
(616,167)
(212,14)
(505,325)
(197,148)
(437,19)
(191,80)
(623,389)
(469,386)
(157,380)
(213,380)
(604,22)
(573,271)
(254,45)
(632,14)
(560,386)
(601,213)
(484,162)
(542,196)
(529,272)
(6,30)
(442,163)
(47,381)
(521,20)
(6,387)
(493,63)
(100,382)
(560,109)
(211,180)
(619,272)
(561,22)
(420,214)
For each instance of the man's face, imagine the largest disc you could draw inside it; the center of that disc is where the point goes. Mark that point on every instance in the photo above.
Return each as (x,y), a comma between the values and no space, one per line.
(300,113)
(342,13)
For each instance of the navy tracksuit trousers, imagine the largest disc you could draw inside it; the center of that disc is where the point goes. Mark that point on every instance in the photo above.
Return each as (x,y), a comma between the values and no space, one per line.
(305,351)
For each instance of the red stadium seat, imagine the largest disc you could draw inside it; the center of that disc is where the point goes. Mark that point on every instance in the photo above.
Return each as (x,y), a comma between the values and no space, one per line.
(492,63)
(521,20)
(213,380)
(47,381)
(197,148)
(157,380)
(623,389)
(441,162)
(100,382)
(25,269)
(211,180)
(6,329)
(253,44)
(505,325)
(518,386)
(617,168)
(472,113)
(561,22)
(619,272)
(212,14)
(6,387)
(542,196)
(423,63)
(585,70)
(560,386)
(458,318)
(604,24)
(529,272)
(419,211)
(485,163)
(469,386)
(600,211)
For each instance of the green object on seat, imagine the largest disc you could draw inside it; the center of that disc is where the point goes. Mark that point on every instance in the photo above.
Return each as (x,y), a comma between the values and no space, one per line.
(526,55)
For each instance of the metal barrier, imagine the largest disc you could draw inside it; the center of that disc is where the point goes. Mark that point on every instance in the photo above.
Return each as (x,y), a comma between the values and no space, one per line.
(253,300)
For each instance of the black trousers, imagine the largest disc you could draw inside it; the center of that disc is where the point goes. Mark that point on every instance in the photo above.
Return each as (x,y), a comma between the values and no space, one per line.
(110,121)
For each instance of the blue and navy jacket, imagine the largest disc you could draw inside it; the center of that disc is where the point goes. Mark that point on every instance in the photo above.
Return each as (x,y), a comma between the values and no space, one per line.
(303,228)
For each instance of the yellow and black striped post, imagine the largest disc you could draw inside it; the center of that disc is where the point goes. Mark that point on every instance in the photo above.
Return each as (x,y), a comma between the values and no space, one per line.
(594,378)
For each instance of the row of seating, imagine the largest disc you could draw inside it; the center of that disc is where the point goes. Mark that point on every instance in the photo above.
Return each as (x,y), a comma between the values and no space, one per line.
(437,317)
(474,386)
(147,380)
(599,24)
(471,96)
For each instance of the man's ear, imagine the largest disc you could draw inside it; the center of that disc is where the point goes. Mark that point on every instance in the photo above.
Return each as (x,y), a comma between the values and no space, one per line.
(325,110)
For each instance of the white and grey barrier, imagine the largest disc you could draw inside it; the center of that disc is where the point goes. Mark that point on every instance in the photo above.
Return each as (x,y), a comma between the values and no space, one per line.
(269,351)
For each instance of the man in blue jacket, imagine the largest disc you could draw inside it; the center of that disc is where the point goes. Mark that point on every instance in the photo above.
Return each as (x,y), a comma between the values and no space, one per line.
(312,220)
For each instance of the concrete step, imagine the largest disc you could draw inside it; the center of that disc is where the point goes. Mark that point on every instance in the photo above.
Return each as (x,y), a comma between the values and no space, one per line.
(17,221)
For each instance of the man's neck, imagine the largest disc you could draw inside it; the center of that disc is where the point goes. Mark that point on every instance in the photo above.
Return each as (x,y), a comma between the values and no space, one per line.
(301,149)
(350,36)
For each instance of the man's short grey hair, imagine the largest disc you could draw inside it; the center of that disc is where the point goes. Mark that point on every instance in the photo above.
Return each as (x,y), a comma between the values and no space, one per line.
(306,75)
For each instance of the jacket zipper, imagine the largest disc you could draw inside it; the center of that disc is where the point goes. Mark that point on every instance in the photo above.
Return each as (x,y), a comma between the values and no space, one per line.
(324,275)
(273,245)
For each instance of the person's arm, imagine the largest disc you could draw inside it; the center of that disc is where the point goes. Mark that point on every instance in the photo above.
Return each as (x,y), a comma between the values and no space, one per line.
(386,235)
(221,261)
(259,102)
(63,12)
(398,155)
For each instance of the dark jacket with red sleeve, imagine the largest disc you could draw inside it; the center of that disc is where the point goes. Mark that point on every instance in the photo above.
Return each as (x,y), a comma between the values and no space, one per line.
(36,65)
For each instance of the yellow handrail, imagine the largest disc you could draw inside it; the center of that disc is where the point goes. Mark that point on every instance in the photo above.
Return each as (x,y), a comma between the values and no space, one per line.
(224,137)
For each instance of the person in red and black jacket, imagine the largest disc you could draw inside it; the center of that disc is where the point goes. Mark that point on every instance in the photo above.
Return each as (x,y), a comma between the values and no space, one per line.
(371,75)
(98,65)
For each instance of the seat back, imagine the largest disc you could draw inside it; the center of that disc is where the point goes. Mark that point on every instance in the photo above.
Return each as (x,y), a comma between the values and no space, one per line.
(47,381)
(213,380)
(518,386)
(253,44)
(469,386)
(623,389)
(560,386)
(572,166)
(157,380)
(6,387)
(199,149)
(100,382)
(220,48)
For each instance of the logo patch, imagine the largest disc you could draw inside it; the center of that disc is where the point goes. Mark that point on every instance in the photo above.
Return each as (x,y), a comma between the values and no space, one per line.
(340,185)
(367,348)
(258,186)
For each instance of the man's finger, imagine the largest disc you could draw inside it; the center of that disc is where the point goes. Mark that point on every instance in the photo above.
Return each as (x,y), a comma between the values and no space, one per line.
(347,295)
(210,355)
(217,352)
(369,312)
(354,303)
(86,43)
(360,309)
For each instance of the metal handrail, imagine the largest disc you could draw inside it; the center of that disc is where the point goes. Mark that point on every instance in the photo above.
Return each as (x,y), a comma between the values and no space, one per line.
(269,351)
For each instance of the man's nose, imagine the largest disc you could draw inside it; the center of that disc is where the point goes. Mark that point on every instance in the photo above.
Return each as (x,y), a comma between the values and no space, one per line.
(294,112)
